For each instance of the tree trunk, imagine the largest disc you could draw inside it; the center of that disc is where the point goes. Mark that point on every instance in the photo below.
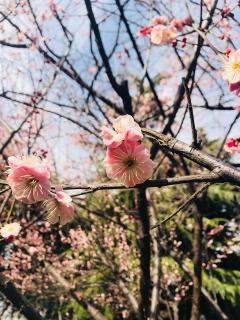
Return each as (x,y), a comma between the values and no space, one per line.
(145,254)
(197,262)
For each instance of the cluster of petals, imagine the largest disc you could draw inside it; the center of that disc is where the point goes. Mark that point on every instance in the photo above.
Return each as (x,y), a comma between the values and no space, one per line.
(163,32)
(28,177)
(127,160)
(59,208)
(232,145)
(231,70)
(162,35)
(125,128)
(10,230)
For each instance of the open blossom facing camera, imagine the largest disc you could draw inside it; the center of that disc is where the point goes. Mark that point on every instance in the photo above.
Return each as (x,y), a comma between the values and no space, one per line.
(129,163)
(11,230)
(232,145)
(28,178)
(231,70)
(59,208)
(125,129)
(162,35)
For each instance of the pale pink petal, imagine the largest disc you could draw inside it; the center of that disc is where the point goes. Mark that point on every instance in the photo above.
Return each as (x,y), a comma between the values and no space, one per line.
(127,126)
(111,138)
(159,20)
(59,209)
(10,230)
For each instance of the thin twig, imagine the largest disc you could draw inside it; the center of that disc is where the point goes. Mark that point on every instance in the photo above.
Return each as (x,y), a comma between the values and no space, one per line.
(183,206)
(195,142)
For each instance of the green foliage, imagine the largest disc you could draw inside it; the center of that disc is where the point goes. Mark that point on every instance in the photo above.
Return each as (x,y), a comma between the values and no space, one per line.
(224,283)
(95,280)
(76,311)
(223,200)
(224,193)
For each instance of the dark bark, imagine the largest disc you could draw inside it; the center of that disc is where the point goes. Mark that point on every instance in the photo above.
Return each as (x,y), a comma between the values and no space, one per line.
(204,160)
(197,264)
(122,88)
(145,255)
(18,300)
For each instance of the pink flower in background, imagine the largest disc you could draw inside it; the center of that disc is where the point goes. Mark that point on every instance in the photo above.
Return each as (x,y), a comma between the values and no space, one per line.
(11,230)
(28,178)
(162,35)
(163,32)
(234,86)
(59,208)
(159,20)
(232,145)
(187,21)
(129,163)
(125,129)
(215,230)
(145,31)
(227,51)
(177,24)
(231,69)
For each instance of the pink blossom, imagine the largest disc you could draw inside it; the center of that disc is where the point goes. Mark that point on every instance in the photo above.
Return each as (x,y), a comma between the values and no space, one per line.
(234,86)
(231,69)
(11,230)
(162,35)
(129,163)
(59,208)
(177,24)
(159,20)
(226,10)
(215,230)
(187,21)
(227,51)
(28,177)
(145,31)
(232,145)
(125,129)
(111,138)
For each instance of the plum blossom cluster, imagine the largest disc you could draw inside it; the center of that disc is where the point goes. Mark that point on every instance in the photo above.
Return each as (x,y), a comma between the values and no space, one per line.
(232,145)
(29,179)
(127,160)
(161,31)
(231,70)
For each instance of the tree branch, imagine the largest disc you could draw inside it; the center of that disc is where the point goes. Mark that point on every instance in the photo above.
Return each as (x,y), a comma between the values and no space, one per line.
(18,300)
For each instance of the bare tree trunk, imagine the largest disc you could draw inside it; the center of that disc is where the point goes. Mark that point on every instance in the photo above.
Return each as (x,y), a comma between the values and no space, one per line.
(18,300)
(145,254)
(157,266)
(197,261)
